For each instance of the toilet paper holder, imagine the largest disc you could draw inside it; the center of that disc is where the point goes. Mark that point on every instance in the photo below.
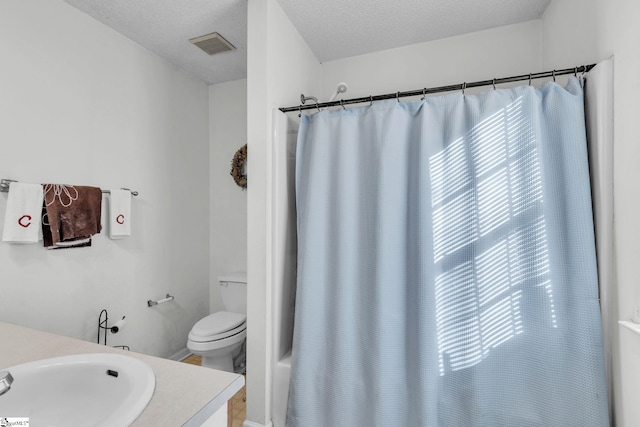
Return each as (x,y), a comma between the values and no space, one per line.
(103,325)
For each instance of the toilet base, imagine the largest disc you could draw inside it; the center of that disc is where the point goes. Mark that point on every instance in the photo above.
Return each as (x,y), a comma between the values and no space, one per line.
(221,358)
(240,359)
(222,363)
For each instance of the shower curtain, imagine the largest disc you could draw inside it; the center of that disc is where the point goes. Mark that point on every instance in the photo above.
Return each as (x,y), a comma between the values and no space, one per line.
(446,265)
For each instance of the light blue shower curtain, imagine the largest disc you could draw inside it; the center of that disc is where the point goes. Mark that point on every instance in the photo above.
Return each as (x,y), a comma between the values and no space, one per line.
(446,265)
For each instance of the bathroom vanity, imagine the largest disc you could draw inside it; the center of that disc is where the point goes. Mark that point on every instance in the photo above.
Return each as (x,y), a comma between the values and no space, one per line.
(184,395)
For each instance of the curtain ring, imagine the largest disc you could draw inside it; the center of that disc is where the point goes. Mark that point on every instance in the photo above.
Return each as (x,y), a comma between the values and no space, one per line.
(370,100)
(424,94)
(554,75)
(317,106)
(299,110)
(494,83)
(342,104)
(464,86)
(529,79)
(398,96)
(575,72)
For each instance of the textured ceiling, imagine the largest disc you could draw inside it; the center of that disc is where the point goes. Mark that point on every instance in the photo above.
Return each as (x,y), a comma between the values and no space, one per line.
(336,29)
(333,29)
(165,27)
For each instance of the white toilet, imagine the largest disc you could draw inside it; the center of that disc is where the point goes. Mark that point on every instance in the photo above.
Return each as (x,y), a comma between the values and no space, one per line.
(220,336)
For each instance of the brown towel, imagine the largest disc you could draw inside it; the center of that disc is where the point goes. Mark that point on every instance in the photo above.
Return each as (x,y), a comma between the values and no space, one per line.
(72,213)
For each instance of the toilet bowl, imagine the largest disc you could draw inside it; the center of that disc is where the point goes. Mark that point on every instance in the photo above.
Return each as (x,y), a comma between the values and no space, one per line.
(219,337)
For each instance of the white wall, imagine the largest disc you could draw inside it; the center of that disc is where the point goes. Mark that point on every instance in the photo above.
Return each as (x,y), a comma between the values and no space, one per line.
(500,52)
(588,31)
(227,132)
(563,46)
(81,104)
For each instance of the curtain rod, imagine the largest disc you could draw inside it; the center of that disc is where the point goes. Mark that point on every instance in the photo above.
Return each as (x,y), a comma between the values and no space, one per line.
(426,91)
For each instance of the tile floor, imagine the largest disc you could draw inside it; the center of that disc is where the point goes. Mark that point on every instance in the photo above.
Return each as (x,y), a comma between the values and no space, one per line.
(237,404)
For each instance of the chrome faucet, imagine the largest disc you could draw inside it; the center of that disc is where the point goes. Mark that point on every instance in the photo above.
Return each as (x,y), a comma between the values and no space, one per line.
(5,381)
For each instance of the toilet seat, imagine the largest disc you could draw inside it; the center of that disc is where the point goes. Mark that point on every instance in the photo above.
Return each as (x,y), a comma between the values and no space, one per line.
(218,326)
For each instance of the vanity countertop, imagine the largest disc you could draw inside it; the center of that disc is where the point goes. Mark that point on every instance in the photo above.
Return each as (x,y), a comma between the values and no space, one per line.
(185,395)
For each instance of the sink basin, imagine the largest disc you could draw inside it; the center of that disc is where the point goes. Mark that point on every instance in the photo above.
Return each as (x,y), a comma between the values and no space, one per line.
(98,390)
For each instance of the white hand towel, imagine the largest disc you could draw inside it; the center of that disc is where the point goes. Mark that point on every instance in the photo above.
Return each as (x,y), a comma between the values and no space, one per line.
(22,223)
(120,214)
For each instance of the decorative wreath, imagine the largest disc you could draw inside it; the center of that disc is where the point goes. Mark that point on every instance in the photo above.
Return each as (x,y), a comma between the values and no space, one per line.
(238,169)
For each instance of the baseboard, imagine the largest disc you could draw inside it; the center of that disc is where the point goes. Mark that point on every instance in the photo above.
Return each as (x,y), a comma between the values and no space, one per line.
(180,355)
(252,424)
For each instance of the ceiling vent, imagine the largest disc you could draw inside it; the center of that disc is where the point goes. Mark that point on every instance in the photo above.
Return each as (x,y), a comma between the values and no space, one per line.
(212,43)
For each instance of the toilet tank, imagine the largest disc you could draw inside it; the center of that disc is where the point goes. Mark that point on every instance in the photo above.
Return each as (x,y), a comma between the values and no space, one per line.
(233,288)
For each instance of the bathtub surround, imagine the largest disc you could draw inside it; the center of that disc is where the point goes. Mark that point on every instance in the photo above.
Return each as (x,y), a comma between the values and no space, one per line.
(280,67)
(117,116)
(285,250)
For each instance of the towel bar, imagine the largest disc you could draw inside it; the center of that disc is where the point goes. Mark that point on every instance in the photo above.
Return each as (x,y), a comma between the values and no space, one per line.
(133,192)
(4,184)
(152,303)
(4,187)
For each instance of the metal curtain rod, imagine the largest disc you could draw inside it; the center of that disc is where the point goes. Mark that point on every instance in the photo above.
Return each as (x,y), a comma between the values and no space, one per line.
(426,91)
(4,187)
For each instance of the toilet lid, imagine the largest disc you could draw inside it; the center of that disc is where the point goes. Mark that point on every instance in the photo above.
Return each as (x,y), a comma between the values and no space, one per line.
(217,323)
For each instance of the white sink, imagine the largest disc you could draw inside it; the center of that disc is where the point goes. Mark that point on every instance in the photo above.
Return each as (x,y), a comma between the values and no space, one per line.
(101,390)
